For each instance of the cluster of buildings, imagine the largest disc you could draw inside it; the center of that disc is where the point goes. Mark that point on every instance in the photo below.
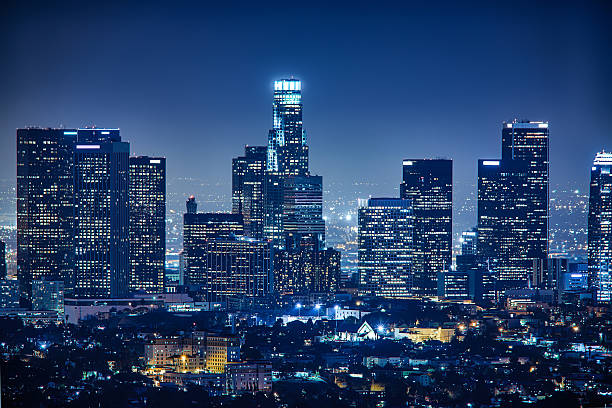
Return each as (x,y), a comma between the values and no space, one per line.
(91,227)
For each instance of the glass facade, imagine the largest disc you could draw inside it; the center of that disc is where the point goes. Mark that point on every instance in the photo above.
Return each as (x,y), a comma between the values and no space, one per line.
(101,214)
(248,177)
(386,248)
(45,216)
(600,228)
(428,183)
(147,224)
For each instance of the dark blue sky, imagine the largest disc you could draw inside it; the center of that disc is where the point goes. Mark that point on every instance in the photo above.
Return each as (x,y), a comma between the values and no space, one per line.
(381,82)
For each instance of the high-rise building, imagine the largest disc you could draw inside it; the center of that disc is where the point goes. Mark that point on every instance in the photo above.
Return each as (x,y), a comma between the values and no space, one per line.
(147,194)
(469,241)
(9,294)
(502,220)
(513,206)
(45,207)
(273,209)
(2,260)
(600,228)
(303,210)
(198,229)
(386,249)
(527,141)
(234,267)
(192,205)
(101,214)
(248,177)
(287,148)
(428,183)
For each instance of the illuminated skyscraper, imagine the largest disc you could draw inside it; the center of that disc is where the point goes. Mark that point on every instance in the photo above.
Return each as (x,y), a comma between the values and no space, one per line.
(386,249)
(101,214)
(192,205)
(147,223)
(428,183)
(303,210)
(528,142)
(45,207)
(287,149)
(502,220)
(248,177)
(306,269)
(513,206)
(600,228)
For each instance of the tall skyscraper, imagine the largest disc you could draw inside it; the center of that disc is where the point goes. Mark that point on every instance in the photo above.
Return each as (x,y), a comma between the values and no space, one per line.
(306,270)
(600,228)
(101,214)
(192,205)
(45,207)
(428,183)
(303,210)
(528,142)
(513,206)
(147,194)
(386,248)
(502,220)
(248,177)
(287,148)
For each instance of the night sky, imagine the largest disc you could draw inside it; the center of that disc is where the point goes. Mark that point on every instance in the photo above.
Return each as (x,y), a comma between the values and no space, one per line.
(193,81)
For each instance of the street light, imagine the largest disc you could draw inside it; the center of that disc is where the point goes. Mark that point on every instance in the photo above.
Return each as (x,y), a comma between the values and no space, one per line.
(299,308)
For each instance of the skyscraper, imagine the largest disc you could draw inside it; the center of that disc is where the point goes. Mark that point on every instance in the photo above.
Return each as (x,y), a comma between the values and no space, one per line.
(101,214)
(303,210)
(306,269)
(502,220)
(287,149)
(528,142)
(600,228)
(248,177)
(147,194)
(513,206)
(386,248)
(428,183)
(45,207)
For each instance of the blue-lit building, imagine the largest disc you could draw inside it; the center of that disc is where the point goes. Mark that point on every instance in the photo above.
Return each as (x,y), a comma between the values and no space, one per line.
(600,228)
(287,148)
(386,248)
(101,214)
(248,178)
(147,194)
(45,213)
(428,183)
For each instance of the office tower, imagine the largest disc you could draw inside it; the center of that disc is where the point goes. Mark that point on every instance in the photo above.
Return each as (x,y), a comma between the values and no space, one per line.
(220,350)
(198,229)
(273,209)
(44,207)
(234,267)
(528,142)
(307,269)
(287,149)
(48,295)
(600,228)
(475,284)
(101,214)
(428,183)
(2,260)
(386,249)
(147,195)
(248,177)
(192,205)
(303,210)
(502,220)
